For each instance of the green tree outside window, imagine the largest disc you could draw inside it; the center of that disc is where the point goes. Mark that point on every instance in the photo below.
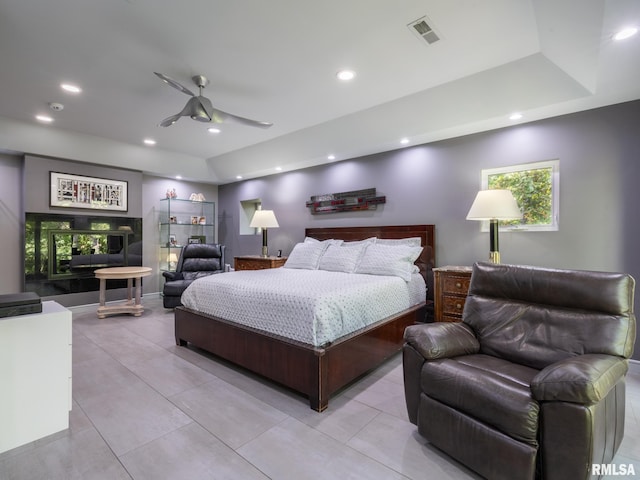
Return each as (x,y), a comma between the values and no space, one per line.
(535,188)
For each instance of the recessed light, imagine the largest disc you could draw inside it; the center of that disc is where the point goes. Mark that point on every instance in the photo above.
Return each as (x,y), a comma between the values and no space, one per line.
(515,116)
(68,87)
(404,141)
(239,177)
(346,75)
(213,130)
(149,141)
(44,118)
(331,157)
(625,33)
(278,169)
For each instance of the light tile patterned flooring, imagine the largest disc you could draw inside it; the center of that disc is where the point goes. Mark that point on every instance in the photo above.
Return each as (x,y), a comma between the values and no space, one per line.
(147,409)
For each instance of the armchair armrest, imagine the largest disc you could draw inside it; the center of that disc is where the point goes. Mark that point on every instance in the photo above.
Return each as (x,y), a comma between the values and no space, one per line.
(442,340)
(585,379)
(171,276)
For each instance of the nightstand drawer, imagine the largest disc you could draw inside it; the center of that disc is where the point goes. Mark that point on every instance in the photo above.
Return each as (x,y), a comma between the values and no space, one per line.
(452,305)
(455,284)
(451,285)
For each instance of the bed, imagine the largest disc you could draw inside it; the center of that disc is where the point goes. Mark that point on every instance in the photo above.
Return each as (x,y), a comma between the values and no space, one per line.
(316,371)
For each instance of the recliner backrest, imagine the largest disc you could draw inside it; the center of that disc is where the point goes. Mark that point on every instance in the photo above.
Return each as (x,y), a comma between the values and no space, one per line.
(537,316)
(201,257)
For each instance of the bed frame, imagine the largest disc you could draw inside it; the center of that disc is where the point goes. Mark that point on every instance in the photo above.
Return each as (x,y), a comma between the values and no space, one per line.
(316,372)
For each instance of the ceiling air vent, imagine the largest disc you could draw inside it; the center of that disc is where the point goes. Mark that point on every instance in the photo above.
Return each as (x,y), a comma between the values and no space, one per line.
(423,30)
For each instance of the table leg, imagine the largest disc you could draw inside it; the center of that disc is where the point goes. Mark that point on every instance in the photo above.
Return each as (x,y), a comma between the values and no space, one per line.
(138,290)
(129,289)
(103,288)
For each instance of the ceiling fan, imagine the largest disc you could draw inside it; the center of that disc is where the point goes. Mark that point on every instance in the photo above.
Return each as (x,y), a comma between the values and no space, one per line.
(199,108)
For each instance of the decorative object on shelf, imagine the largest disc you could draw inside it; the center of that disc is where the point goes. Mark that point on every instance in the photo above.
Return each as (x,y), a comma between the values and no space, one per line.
(264,219)
(202,221)
(171,193)
(75,191)
(494,205)
(345,201)
(196,197)
(173,219)
(172,241)
(197,239)
(194,220)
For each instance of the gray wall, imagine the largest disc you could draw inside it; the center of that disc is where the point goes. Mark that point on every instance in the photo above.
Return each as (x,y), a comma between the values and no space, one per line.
(11,224)
(436,183)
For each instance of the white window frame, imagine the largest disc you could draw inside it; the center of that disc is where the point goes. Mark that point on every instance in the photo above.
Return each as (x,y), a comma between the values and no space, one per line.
(555,195)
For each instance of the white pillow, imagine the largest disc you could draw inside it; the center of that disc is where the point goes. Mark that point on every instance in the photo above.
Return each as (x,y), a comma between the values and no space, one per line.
(394,260)
(306,255)
(366,241)
(331,241)
(412,241)
(342,258)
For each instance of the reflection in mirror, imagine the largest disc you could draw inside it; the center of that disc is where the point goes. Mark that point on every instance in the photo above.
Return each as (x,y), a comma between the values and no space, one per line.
(62,251)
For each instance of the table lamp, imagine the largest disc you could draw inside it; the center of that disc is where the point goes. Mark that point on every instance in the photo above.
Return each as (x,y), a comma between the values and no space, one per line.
(173,260)
(264,219)
(494,205)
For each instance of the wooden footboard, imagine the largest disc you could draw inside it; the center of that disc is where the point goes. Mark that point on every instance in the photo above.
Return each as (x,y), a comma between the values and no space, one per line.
(312,371)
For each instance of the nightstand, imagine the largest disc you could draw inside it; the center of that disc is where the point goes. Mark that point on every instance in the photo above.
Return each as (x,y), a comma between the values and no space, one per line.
(257,262)
(451,284)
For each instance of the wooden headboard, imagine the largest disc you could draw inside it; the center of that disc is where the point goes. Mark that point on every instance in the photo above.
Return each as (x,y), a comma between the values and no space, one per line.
(426,262)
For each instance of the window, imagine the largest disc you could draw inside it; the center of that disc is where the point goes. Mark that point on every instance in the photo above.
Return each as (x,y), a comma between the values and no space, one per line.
(536,189)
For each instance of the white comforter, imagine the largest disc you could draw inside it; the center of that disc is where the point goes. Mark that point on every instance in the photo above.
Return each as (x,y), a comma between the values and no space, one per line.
(312,306)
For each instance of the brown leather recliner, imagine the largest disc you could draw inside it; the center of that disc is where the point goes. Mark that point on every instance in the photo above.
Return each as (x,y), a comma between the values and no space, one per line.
(531,383)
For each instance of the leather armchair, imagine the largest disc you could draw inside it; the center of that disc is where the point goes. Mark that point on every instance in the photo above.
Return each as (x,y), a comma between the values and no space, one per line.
(531,383)
(196,260)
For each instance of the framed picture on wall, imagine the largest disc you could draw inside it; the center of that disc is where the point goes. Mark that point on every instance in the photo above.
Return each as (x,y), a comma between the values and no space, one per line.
(75,191)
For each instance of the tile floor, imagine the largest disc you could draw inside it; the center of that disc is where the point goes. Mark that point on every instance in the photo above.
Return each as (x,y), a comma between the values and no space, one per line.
(147,409)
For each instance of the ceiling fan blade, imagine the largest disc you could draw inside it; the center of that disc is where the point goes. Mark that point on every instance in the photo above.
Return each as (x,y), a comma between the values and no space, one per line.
(219,116)
(167,122)
(174,84)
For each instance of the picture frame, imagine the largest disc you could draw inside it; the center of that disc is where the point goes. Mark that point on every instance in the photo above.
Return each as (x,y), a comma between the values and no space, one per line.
(202,221)
(194,220)
(197,239)
(172,240)
(77,191)
(173,219)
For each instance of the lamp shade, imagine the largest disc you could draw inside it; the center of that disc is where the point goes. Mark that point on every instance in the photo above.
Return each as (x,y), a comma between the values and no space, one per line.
(494,204)
(264,219)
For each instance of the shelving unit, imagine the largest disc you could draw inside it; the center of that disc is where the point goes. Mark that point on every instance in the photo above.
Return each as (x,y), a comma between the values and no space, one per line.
(183,222)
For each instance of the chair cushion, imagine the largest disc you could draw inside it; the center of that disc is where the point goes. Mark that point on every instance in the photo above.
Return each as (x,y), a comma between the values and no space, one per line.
(492,390)
(175,288)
